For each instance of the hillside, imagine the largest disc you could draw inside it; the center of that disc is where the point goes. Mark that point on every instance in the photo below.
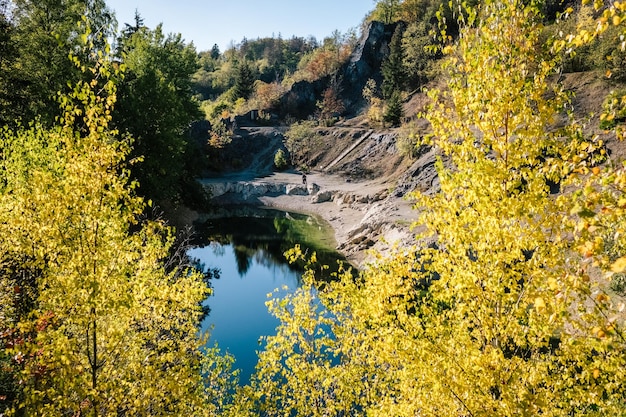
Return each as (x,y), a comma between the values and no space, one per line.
(363,173)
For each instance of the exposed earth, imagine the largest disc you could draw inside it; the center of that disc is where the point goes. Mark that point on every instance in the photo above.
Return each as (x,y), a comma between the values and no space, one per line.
(357,195)
(358,181)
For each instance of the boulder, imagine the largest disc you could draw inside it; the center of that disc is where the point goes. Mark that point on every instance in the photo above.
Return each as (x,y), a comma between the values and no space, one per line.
(292,189)
(322,197)
(313,188)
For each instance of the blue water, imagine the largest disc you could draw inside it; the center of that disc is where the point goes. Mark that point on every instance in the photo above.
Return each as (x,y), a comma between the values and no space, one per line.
(248,250)
(238,315)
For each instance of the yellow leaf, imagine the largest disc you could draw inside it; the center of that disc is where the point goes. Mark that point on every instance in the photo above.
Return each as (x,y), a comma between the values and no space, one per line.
(616,20)
(619,265)
(539,304)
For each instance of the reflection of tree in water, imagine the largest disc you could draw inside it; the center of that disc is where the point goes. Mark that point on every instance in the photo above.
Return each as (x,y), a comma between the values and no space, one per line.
(243,259)
(209,273)
(265,237)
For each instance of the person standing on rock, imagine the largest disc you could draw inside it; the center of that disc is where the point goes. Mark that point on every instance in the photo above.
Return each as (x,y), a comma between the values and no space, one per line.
(304,179)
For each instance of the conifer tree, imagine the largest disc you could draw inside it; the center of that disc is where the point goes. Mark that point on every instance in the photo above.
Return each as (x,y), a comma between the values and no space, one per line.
(244,81)
(394,75)
(394,111)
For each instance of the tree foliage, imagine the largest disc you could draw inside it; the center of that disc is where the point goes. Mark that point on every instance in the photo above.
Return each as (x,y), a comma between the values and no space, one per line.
(331,106)
(394,75)
(108,317)
(44,33)
(501,315)
(280,160)
(394,111)
(244,81)
(301,140)
(155,106)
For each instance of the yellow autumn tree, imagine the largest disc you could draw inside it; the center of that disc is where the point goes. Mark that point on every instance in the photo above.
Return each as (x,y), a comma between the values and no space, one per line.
(110,330)
(502,315)
(524,312)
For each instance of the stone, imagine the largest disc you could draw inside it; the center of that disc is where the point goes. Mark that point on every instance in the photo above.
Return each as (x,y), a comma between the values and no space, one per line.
(313,188)
(292,189)
(322,197)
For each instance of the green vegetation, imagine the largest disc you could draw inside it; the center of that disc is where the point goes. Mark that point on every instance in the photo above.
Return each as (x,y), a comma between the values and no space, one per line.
(393,67)
(393,111)
(301,140)
(155,107)
(409,141)
(280,160)
(516,309)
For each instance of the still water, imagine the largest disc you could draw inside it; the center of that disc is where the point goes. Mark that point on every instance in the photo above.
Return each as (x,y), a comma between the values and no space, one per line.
(248,250)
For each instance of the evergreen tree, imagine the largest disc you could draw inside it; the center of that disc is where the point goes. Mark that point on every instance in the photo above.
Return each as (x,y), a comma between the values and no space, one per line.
(244,81)
(394,112)
(215,52)
(394,75)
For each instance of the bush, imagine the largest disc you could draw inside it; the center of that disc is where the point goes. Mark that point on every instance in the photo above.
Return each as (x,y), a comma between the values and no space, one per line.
(302,138)
(409,141)
(618,284)
(280,160)
(394,112)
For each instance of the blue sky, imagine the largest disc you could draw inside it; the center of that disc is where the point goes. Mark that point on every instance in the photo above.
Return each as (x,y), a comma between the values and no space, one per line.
(222,21)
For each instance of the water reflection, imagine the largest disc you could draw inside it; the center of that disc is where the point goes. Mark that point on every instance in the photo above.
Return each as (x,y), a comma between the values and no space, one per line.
(265,235)
(248,250)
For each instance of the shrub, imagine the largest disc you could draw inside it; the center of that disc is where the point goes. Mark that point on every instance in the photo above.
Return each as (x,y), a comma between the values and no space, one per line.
(618,284)
(409,141)
(331,106)
(302,138)
(280,160)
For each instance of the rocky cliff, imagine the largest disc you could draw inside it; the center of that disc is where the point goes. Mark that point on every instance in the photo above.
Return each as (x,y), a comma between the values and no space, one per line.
(364,63)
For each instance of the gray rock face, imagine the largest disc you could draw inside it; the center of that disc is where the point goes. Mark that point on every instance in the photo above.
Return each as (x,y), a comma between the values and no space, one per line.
(367,58)
(246,190)
(300,101)
(364,63)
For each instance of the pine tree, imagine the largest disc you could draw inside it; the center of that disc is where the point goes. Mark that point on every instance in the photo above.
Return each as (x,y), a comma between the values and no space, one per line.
(394,76)
(244,81)
(394,112)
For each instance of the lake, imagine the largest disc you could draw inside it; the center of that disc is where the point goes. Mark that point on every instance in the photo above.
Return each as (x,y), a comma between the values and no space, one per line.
(248,249)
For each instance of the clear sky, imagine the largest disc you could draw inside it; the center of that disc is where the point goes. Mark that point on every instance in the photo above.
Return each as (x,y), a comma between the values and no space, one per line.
(208,22)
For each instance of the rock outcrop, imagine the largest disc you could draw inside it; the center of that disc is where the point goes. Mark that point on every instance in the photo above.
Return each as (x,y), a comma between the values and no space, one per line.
(245,191)
(364,63)
(366,60)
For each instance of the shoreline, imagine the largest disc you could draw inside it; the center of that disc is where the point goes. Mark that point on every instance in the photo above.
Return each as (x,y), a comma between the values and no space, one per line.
(363,215)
